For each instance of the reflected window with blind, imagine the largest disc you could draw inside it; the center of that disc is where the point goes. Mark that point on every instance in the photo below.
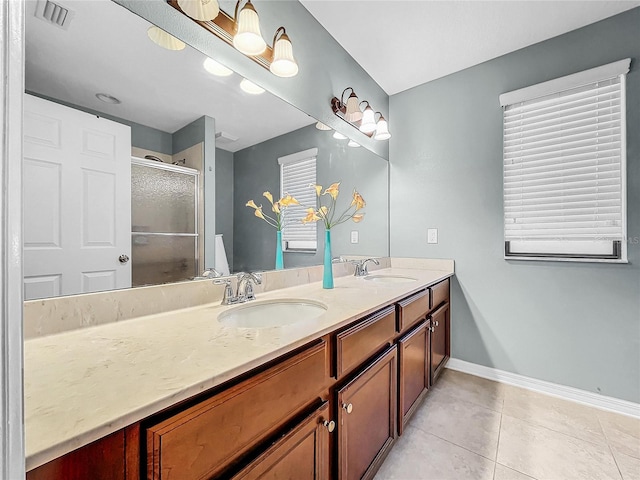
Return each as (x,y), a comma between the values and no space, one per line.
(297,173)
(564,167)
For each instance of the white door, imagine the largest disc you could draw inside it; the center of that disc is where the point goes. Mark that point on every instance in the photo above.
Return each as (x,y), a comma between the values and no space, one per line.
(76,201)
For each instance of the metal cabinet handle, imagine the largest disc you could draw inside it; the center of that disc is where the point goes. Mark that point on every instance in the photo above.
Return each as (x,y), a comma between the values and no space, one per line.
(348,407)
(436,323)
(331,425)
(123,258)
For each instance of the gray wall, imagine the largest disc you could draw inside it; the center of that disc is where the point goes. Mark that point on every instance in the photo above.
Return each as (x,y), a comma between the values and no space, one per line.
(326,69)
(575,324)
(224,200)
(256,169)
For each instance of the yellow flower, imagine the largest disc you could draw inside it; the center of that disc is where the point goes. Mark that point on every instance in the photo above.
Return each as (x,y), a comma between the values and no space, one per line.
(287,201)
(358,217)
(311,216)
(276,207)
(333,190)
(358,201)
(268,196)
(317,187)
(258,213)
(251,204)
(323,211)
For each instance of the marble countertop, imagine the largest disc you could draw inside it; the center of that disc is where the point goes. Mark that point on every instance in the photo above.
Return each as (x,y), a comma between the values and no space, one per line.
(84,384)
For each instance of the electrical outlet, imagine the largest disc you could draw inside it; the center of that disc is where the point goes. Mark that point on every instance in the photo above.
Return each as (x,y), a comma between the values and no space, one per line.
(432,235)
(355,237)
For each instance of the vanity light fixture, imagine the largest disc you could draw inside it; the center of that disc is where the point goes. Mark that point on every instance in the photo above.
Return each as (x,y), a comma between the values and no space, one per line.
(353,144)
(322,126)
(242,30)
(382,129)
(200,9)
(251,87)
(338,136)
(215,68)
(164,39)
(364,120)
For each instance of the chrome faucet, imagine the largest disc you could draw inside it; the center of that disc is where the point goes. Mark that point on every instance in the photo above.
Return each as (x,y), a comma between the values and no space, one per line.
(361,267)
(244,289)
(211,273)
(229,298)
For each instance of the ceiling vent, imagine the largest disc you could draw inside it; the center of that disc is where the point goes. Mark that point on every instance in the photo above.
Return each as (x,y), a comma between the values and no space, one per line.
(223,138)
(54,13)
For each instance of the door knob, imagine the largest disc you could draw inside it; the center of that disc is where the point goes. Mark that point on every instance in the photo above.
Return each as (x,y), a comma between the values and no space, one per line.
(331,425)
(123,258)
(348,407)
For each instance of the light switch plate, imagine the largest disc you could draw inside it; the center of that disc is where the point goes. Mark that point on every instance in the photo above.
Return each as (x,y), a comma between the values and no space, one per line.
(355,237)
(432,235)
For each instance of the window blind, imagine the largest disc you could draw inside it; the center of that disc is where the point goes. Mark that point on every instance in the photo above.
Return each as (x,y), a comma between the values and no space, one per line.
(297,172)
(564,173)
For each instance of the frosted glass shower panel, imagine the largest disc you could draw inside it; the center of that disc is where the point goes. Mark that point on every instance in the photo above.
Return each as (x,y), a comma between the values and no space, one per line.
(163,259)
(162,201)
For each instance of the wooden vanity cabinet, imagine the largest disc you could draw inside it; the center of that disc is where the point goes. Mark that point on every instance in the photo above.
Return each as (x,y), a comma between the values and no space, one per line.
(413,371)
(302,453)
(440,340)
(366,414)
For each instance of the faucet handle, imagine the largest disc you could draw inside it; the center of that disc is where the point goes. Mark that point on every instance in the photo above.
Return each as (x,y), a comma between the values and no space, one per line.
(228,298)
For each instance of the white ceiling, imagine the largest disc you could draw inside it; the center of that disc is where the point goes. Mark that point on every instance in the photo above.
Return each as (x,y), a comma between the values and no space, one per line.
(402,43)
(106,50)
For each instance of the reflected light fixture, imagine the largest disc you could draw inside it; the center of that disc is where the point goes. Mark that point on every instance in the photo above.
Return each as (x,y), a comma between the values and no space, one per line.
(248,38)
(215,68)
(251,87)
(368,124)
(106,98)
(203,10)
(338,136)
(283,64)
(353,144)
(164,39)
(322,126)
(382,129)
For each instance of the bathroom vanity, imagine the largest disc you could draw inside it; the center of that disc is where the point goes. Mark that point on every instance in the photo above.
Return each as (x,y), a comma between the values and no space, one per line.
(325,399)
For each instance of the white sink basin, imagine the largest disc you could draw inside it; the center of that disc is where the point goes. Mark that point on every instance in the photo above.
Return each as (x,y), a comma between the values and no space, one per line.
(272,313)
(389,279)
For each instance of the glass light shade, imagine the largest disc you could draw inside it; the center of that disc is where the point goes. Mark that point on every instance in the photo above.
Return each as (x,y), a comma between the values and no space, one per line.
(382,129)
(248,38)
(203,10)
(164,39)
(338,136)
(283,64)
(322,126)
(353,144)
(215,68)
(368,124)
(250,87)
(352,113)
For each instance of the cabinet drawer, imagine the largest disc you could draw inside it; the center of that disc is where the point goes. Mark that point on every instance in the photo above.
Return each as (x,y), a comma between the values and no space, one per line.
(413,309)
(204,439)
(439,293)
(359,342)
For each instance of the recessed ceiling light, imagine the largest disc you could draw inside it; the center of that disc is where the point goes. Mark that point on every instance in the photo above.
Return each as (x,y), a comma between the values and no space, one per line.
(215,68)
(106,98)
(250,87)
(338,136)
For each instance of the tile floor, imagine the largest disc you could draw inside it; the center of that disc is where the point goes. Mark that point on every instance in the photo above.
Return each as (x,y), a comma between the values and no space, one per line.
(472,428)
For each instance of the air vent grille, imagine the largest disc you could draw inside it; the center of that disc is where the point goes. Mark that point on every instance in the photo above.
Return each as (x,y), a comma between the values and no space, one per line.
(53,13)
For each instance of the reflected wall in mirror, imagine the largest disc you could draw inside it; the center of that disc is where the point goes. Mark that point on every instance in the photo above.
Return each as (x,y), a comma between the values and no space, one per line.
(99,216)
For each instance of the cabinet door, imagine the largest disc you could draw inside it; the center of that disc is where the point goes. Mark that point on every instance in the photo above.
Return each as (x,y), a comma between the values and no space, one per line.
(439,340)
(367,418)
(413,372)
(301,454)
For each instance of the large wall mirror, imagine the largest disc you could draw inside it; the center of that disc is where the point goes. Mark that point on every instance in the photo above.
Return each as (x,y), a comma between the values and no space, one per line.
(139,161)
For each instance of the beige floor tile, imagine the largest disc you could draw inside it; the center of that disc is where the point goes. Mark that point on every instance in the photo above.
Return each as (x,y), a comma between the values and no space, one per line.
(629,466)
(418,455)
(560,415)
(623,433)
(480,391)
(506,473)
(546,454)
(466,424)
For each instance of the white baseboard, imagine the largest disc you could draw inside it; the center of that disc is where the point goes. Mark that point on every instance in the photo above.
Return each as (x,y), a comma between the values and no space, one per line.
(611,404)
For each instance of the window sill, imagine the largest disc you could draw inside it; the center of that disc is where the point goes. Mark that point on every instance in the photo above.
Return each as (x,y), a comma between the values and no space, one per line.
(573,260)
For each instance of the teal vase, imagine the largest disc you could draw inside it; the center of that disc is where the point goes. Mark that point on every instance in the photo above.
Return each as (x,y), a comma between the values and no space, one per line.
(279,258)
(327,277)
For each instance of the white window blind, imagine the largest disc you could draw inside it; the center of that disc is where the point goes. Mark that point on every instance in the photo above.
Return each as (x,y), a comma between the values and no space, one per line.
(564,173)
(297,171)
